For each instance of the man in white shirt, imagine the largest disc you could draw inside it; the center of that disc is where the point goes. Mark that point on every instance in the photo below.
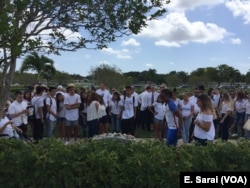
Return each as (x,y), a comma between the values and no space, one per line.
(72,102)
(51,115)
(137,120)
(128,113)
(143,107)
(18,112)
(106,98)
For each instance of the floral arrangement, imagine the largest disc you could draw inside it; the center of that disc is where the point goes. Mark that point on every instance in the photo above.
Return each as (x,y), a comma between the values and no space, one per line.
(112,136)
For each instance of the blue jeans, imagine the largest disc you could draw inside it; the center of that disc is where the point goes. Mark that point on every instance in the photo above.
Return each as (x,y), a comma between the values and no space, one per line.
(93,127)
(239,119)
(116,123)
(50,127)
(186,123)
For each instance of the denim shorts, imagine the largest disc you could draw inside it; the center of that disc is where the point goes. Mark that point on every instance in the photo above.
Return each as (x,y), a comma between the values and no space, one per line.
(158,120)
(71,123)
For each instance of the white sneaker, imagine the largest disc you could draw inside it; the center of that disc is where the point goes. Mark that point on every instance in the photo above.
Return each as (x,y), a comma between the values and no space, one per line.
(66,143)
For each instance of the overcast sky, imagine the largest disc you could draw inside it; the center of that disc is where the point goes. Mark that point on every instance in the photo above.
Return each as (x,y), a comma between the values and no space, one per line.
(192,34)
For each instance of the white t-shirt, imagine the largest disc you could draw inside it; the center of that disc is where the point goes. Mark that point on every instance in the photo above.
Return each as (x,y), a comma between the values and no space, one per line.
(17,107)
(247,107)
(128,107)
(37,102)
(199,132)
(102,110)
(72,114)
(8,130)
(51,101)
(160,109)
(92,111)
(240,106)
(115,106)
(186,108)
(226,107)
(62,112)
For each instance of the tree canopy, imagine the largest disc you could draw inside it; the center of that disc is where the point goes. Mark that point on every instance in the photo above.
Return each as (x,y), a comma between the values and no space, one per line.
(51,26)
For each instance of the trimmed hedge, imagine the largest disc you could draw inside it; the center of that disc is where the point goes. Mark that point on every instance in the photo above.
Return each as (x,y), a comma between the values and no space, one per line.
(112,164)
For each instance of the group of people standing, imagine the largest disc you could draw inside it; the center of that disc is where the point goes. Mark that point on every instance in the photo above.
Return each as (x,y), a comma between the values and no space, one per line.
(196,116)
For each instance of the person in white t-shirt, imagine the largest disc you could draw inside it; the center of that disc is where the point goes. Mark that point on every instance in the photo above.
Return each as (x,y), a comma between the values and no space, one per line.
(143,98)
(93,114)
(7,126)
(18,112)
(51,115)
(193,99)
(225,112)
(72,103)
(61,115)
(106,96)
(204,130)
(171,114)
(157,109)
(115,111)
(187,110)
(128,113)
(38,122)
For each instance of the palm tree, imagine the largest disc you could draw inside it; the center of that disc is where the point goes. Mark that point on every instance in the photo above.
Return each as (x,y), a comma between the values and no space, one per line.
(42,65)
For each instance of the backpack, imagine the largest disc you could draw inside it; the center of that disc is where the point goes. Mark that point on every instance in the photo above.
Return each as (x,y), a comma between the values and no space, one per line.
(45,111)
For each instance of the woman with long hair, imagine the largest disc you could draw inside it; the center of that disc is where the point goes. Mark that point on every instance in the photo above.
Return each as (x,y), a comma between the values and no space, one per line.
(240,113)
(187,111)
(225,115)
(93,114)
(204,130)
(103,125)
(115,111)
(158,110)
(61,115)
(83,113)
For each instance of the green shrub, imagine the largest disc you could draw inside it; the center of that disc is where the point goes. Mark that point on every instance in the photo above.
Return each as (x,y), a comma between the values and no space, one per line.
(112,163)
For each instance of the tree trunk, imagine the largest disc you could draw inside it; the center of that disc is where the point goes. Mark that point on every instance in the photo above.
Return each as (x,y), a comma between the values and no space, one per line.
(8,74)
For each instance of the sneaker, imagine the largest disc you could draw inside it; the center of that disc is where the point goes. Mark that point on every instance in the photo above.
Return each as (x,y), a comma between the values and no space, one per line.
(66,143)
